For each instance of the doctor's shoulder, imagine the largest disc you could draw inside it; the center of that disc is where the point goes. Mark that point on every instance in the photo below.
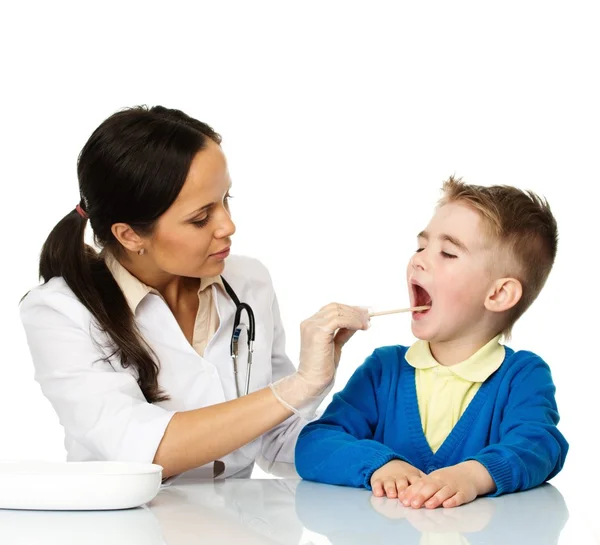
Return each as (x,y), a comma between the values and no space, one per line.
(52,298)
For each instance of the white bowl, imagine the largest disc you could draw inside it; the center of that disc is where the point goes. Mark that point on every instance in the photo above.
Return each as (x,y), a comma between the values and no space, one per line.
(77,485)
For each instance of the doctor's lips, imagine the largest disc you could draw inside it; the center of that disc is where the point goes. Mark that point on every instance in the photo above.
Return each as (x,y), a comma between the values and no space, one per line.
(222,254)
(421,298)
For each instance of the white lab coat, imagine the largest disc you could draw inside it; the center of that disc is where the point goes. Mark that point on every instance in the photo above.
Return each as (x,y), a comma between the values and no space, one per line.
(101,407)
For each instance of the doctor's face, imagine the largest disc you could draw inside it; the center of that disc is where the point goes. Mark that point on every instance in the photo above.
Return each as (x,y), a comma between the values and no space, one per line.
(192,238)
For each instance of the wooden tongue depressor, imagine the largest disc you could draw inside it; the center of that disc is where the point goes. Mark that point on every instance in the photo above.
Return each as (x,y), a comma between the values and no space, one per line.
(397,310)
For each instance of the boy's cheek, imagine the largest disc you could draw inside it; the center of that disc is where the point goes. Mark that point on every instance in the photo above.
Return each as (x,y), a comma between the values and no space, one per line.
(463,292)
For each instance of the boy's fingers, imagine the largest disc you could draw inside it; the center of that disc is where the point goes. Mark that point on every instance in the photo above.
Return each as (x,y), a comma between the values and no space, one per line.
(401,484)
(429,489)
(411,479)
(377,488)
(455,501)
(390,488)
(439,497)
(410,492)
(450,502)
(414,477)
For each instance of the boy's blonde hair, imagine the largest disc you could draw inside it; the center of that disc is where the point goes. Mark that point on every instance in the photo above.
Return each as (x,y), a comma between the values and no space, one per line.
(523,225)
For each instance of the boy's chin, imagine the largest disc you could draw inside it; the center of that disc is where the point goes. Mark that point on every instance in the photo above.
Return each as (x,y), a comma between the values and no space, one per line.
(428,332)
(422,333)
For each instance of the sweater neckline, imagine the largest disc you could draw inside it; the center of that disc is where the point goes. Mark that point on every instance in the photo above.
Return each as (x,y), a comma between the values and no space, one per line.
(432,461)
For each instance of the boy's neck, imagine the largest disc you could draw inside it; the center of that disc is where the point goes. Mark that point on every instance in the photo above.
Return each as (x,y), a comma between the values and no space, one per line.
(454,351)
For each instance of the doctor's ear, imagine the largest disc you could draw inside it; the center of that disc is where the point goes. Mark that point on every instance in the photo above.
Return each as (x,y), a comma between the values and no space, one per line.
(127,237)
(504,294)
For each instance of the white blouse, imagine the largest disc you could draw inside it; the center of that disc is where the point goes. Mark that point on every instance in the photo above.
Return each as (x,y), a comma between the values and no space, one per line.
(100,405)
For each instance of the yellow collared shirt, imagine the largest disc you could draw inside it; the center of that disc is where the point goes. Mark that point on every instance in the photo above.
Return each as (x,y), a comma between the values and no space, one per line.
(207,318)
(444,392)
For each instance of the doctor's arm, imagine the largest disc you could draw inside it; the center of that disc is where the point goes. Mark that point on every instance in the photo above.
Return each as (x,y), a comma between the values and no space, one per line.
(231,425)
(105,411)
(279,443)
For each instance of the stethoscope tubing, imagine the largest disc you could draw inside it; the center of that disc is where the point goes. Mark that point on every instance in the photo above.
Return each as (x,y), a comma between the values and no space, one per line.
(238,327)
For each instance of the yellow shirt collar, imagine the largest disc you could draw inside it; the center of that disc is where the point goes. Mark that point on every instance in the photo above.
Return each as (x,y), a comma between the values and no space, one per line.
(478,368)
(135,290)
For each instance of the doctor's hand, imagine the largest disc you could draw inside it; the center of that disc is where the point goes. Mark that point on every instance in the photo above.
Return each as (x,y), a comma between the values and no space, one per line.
(322,337)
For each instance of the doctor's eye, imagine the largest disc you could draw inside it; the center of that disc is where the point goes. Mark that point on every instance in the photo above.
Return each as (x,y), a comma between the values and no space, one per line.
(201,223)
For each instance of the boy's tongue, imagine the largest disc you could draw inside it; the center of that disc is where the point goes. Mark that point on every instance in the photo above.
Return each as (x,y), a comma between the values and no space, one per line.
(422,298)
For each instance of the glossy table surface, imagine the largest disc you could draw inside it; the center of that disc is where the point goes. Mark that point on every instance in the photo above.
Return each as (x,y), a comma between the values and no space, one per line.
(290,511)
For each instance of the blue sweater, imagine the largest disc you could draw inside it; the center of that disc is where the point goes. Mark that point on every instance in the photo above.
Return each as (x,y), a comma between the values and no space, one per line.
(509,426)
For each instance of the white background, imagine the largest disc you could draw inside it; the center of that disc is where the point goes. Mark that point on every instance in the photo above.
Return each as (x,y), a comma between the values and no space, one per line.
(340,121)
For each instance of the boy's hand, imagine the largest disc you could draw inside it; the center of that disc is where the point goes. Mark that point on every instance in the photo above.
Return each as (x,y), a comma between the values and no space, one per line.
(390,479)
(449,487)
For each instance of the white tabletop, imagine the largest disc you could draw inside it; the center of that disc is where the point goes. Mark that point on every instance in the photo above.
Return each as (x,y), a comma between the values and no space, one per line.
(289,511)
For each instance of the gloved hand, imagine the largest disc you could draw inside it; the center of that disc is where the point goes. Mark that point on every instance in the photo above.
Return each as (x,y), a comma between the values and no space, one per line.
(322,337)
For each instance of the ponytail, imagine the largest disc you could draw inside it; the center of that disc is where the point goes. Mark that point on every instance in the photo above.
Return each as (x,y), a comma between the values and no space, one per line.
(65,254)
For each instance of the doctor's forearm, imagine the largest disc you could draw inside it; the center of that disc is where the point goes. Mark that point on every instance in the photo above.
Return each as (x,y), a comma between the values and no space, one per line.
(194,438)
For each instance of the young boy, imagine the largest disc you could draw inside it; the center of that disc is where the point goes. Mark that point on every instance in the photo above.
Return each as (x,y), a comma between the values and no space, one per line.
(457,415)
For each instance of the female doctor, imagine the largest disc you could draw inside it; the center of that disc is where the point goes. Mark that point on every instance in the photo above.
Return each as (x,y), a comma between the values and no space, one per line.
(131,345)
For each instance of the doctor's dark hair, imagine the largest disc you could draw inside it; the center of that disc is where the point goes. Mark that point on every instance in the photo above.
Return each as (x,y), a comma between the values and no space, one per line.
(130,170)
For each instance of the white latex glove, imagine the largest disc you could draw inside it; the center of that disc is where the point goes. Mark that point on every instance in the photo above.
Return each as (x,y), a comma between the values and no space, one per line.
(322,337)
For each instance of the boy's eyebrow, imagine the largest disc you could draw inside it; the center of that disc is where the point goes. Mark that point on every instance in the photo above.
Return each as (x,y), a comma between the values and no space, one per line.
(456,242)
(449,238)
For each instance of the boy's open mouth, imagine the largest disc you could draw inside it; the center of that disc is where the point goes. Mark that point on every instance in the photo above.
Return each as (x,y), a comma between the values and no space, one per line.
(421,298)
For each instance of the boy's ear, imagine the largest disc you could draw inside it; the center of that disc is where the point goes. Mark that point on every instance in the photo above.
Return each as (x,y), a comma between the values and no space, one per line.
(504,294)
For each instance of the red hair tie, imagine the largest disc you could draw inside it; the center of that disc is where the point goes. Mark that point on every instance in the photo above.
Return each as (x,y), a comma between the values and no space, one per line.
(81,212)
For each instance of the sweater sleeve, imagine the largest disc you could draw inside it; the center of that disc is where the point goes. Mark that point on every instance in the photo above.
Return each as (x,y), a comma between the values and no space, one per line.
(530,449)
(339,447)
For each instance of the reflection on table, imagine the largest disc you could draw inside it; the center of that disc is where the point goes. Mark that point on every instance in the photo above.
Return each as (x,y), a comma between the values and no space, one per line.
(289,511)
(533,517)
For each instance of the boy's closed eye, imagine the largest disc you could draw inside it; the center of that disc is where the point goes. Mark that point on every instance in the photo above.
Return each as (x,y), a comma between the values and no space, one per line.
(448,256)
(444,254)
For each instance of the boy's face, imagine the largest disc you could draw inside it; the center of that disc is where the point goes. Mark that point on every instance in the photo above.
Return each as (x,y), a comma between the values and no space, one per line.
(451,271)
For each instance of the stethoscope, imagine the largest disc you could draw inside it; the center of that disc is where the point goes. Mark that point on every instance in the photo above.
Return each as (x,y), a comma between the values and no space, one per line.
(235,336)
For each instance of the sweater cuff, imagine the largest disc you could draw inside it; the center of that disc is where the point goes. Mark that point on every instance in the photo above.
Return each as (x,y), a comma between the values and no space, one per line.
(500,469)
(379,459)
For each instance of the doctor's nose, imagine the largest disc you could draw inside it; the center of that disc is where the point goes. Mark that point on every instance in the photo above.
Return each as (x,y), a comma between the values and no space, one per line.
(225,227)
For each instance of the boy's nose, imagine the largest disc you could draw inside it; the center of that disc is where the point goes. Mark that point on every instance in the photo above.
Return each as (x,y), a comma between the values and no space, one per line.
(418,261)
